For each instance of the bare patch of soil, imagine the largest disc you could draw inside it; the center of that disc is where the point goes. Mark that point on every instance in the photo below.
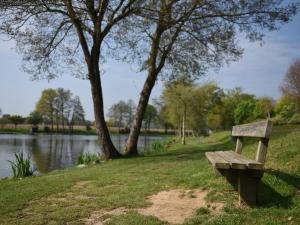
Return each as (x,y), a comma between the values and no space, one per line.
(174,206)
(100,217)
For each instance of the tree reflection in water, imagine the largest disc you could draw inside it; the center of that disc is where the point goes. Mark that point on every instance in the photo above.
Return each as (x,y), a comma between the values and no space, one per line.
(51,152)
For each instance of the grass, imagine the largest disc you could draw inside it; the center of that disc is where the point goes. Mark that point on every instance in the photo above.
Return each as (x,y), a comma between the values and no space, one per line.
(21,166)
(69,196)
(14,131)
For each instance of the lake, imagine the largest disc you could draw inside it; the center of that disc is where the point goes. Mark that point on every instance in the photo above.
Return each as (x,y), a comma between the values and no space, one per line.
(56,151)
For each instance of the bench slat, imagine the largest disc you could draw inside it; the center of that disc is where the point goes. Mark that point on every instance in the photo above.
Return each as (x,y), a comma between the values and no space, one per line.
(234,162)
(217,161)
(230,159)
(258,129)
(251,164)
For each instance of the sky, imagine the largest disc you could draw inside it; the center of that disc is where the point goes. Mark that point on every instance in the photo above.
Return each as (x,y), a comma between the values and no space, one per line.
(260,71)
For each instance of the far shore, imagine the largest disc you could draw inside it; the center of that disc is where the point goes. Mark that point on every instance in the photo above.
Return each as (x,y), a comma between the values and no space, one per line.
(77,130)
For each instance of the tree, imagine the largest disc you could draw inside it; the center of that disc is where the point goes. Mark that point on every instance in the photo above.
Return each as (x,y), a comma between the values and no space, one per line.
(178,97)
(286,106)
(230,102)
(149,116)
(190,106)
(63,105)
(4,120)
(131,111)
(191,37)
(264,107)
(56,36)
(291,85)
(162,114)
(35,118)
(76,114)
(16,120)
(46,106)
(119,114)
(244,111)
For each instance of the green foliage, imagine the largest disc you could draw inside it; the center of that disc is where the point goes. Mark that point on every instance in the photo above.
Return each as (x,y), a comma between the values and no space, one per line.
(77,115)
(286,106)
(202,104)
(149,116)
(21,167)
(3,122)
(121,113)
(46,105)
(16,119)
(57,106)
(88,158)
(230,102)
(244,111)
(264,108)
(35,118)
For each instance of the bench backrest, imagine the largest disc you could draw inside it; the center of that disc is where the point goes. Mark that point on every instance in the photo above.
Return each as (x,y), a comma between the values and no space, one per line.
(260,130)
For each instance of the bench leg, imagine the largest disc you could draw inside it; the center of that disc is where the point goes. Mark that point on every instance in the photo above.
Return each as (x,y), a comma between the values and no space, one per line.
(246,182)
(248,189)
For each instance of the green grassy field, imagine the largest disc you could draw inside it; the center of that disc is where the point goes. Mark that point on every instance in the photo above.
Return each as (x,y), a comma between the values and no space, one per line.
(70,196)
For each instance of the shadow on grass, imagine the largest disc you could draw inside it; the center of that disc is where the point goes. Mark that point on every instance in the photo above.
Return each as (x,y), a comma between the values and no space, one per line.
(269,197)
(190,153)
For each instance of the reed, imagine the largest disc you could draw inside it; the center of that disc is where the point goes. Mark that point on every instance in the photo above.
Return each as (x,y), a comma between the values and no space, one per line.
(21,166)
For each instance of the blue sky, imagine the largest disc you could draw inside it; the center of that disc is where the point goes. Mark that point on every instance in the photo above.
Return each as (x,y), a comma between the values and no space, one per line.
(260,72)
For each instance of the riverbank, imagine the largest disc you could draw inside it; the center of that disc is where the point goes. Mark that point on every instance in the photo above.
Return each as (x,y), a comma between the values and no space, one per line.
(117,191)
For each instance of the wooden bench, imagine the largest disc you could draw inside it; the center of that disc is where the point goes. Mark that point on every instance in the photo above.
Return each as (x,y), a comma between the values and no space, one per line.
(244,173)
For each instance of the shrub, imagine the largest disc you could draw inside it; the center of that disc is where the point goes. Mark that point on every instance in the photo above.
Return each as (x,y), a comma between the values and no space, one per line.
(21,167)
(87,158)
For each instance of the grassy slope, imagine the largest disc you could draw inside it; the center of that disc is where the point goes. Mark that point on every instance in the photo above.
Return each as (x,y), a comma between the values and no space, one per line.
(62,198)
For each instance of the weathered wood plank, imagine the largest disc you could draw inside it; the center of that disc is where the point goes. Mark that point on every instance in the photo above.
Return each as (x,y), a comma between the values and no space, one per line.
(251,164)
(234,163)
(261,153)
(248,189)
(239,145)
(217,161)
(258,129)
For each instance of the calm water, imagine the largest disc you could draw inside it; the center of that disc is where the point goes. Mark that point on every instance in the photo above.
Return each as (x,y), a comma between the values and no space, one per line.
(51,152)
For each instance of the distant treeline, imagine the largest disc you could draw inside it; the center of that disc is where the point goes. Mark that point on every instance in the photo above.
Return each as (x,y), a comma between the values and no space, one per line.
(183,105)
(56,109)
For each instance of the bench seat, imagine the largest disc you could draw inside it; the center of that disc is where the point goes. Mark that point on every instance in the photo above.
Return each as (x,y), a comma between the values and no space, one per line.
(231,159)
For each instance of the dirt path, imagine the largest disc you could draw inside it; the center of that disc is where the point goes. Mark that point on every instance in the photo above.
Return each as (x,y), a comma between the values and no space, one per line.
(173,206)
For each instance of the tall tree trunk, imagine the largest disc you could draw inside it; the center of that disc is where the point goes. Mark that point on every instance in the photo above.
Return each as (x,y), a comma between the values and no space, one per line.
(132,142)
(108,149)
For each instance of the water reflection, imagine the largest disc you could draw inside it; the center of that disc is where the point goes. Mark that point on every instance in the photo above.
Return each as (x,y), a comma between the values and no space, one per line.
(51,152)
